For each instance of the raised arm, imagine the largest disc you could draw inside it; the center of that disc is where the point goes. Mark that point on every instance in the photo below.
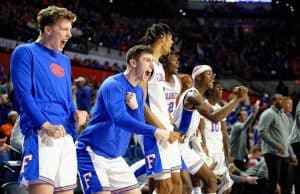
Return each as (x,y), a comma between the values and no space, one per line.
(223,112)
(250,119)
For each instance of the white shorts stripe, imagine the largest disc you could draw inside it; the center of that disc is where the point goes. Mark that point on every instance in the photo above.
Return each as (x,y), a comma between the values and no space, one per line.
(98,173)
(53,164)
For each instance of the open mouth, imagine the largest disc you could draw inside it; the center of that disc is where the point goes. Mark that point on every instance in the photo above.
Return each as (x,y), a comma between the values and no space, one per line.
(211,84)
(148,73)
(63,42)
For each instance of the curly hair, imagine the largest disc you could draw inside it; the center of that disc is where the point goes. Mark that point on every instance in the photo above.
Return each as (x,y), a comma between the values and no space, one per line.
(154,32)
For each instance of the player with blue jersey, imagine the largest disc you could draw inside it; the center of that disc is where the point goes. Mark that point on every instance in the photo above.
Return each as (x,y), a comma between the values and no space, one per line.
(41,79)
(119,113)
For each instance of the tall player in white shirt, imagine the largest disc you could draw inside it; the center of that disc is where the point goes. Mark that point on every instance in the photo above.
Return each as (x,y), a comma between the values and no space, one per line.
(163,161)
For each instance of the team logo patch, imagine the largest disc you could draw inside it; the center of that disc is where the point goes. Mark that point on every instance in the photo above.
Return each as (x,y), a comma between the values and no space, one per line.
(57,70)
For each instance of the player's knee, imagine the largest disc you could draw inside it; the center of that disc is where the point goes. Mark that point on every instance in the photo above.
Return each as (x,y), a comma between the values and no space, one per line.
(134,191)
(211,181)
(176,179)
(187,188)
(168,186)
(164,186)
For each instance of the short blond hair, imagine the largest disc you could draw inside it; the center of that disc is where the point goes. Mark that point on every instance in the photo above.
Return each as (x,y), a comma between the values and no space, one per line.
(51,14)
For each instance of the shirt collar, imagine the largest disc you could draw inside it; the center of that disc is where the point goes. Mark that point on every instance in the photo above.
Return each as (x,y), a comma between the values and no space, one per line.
(276,109)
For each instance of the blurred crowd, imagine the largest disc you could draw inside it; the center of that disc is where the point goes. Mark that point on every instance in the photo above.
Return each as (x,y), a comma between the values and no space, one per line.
(240,46)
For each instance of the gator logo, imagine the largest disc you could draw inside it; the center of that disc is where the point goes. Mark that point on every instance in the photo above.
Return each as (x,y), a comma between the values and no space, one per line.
(57,70)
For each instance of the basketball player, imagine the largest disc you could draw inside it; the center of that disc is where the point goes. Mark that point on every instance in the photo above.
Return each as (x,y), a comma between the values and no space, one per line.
(189,111)
(163,160)
(41,79)
(172,89)
(172,86)
(119,113)
(214,137)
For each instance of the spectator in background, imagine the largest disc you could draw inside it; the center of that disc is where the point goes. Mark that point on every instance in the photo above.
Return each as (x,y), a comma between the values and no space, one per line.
(107,66)
(233,117)
(5,107)
(115,68)
(238,138)
(282,88)
(265,102)
(76,32)
(83,94)
(253,180)
(288,109)
(254,156)
(3,146)
(276,149)
(6,129)
(294,139)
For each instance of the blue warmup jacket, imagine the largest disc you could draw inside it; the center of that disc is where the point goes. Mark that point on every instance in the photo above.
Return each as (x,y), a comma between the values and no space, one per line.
(109,131)
(41,80)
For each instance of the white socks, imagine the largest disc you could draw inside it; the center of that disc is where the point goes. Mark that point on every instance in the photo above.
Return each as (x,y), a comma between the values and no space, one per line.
(196,190)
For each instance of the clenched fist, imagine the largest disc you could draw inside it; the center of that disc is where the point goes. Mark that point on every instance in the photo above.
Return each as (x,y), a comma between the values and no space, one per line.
(81,117)
(162,134)
(131,100)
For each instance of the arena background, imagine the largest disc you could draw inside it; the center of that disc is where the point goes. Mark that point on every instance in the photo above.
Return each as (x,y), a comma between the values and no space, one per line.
(252,43)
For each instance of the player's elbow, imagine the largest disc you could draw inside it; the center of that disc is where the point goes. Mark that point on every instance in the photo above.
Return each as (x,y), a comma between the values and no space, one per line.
(214,118)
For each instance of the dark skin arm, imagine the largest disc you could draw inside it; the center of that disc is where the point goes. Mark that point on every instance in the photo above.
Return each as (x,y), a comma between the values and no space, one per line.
(201,128)
(225,140)
(194,100)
